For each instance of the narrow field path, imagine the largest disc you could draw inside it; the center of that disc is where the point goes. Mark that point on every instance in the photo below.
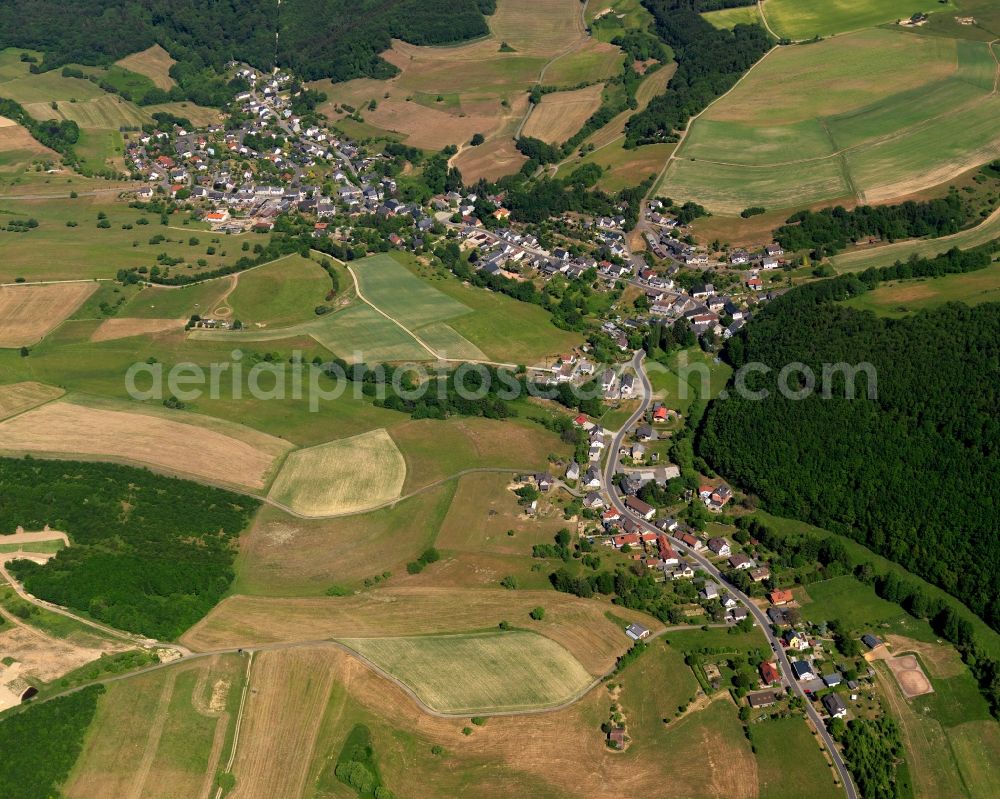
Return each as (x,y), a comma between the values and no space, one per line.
(239,721)
(159,721)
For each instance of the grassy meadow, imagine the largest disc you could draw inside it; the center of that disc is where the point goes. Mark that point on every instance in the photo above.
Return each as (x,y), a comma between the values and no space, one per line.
(903,297)
(790,763)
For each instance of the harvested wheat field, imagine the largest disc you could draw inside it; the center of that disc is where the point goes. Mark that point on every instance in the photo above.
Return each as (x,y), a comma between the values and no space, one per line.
(561,114)
(480,672)
(67,429)
(491,160)
(910,676)
(19,397)
(15,139)
(154,63)
(281,720)
(577,624)
(29,313)
(112,329)
(344,476)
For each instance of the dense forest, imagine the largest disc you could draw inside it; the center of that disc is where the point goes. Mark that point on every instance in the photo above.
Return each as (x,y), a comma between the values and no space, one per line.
(911,473)
(135,562)
(338,39)
(828,231)
(41,744)
(709,62)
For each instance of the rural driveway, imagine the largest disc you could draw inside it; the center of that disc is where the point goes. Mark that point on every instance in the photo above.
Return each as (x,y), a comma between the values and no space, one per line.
(761,619)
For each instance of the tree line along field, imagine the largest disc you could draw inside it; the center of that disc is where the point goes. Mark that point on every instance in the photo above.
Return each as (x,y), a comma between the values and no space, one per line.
(868,117)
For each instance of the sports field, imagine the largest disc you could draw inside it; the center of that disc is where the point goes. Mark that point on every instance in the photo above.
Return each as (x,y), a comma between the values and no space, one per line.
(19,397)
(869,116)
(804,19)
(182,447)
(28,313)
(479,673)
(344,476)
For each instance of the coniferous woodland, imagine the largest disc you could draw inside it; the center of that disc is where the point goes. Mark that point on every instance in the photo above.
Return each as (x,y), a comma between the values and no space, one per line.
(913,473)
(136,562)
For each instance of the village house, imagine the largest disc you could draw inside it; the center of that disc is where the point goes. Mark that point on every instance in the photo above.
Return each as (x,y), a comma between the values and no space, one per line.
(573,471)
(803,670)
(640,508)
(834,706)
(760,574)
(710,590)
(780,596)
(720,547)
(737,614)
(769,673)
(795,640)
(545,481)
(740,562)
(762,699)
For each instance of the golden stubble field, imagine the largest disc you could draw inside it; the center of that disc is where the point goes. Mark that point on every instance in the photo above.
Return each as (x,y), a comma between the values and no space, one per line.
(578,625)
(28,313)
(65,428)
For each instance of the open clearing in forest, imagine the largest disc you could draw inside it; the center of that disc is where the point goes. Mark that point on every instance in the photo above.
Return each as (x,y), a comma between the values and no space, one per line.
(344,476)
(899,298)
(159,735)
(730,17)
(479,673)
(19,397)
(561,114)
(28,313)
(868,117)
(578,625)
(186,447)
(153,62)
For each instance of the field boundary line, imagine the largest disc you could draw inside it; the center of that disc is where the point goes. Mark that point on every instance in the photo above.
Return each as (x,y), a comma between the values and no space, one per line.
(153,736)
(239,721)
(58,282)
(690,123)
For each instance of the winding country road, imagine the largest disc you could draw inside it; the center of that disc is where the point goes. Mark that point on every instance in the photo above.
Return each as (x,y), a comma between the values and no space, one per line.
(608,475)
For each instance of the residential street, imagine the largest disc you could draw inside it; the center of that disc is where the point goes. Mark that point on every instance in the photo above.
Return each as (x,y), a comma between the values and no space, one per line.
(761,619)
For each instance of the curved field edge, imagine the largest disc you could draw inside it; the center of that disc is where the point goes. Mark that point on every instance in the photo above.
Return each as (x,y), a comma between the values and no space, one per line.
(348,475)
(479,672)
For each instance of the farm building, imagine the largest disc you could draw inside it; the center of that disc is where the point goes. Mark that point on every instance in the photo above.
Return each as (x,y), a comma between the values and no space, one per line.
(637,632)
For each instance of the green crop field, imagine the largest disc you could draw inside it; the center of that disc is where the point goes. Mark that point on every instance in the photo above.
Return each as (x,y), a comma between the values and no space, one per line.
(789,761)
(868,116)
(280,293)
(360,333)
(804,19)
(479,673)
(396,291)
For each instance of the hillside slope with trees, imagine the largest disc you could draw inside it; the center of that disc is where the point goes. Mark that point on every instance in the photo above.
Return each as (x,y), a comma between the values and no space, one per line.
(335,39)
(914,473)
